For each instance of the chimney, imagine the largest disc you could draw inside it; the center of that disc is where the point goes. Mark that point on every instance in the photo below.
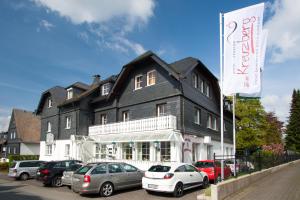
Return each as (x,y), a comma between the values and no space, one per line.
(97,79)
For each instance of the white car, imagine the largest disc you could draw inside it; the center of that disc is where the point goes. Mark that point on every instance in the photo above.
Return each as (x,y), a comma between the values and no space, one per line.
(174,178)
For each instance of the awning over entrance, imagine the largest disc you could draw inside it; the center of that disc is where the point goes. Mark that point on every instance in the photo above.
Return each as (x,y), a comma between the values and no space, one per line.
(145,136)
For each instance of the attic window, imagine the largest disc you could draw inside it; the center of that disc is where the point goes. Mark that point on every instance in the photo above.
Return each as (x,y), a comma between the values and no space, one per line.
(207,91)
(195,80)
(70,93)
(151,78)
(105,89)
(138,82)
(49,103)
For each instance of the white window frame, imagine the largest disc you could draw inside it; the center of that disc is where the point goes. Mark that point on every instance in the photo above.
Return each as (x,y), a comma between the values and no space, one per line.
(105,89)
(138,85)
(15,150)
(103,119)
(159,108)
(8,150)
(207,91)
(153,72)
(125,116)
(15,135)
(69,93)
(202,85)
(143,151)
(195,78)
(164,149)
(48,149)
(67,149)
(127,151)
(49,127)
(50,103)
(197,116)
(68,122)
(212,122)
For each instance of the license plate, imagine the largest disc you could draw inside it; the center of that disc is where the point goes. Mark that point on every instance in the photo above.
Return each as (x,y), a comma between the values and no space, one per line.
(152,186)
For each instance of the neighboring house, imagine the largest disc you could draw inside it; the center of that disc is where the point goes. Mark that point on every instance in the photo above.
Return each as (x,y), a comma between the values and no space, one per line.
(3,143)
(23,133)
(151,112)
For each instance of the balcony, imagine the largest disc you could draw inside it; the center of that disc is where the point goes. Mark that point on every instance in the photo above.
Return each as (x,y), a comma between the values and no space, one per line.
(148,124)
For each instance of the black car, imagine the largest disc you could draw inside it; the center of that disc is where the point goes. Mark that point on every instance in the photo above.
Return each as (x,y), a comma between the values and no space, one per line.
(50,173)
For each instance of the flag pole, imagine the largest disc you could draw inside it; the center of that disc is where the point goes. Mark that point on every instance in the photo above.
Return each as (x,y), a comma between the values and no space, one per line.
(234,132)
(221,95)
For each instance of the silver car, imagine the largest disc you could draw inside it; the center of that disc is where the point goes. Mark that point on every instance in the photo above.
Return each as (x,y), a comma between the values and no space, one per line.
(105,178)
(66,179)
(24,169)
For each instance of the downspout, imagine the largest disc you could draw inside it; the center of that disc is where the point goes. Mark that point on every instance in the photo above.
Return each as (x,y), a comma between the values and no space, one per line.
(182,116)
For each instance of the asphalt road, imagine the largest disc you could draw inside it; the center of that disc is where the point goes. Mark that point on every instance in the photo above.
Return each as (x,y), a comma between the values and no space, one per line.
(34,190)
(282,185)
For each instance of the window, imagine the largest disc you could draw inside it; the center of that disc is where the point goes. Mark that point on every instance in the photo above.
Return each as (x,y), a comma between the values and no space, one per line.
(48,127)
(197,116)
(211,122)
(129,168)
(165,151)
(68,122)
(190,168)
(161,109)
(115,168)
(8,150)
(126,151)
(67,149)
(151,78)
(138,82)
(143,151)
(207,90)
(105,89)
(15,150)
(49,103)
(103,119)
(180,169)
(70,93)
(125,116)
(195,80)
(49,149)
(201,85)
(100,150)
(15,135)
(101,169)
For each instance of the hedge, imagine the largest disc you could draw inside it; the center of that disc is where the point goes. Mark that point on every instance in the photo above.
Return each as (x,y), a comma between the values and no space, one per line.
(4,166)
(22,157)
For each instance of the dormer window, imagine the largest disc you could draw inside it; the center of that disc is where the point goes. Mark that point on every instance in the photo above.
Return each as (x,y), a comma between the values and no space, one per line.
(68,122)
(195,80)
(207,91)
(138,82)
(105,89)
(49,103)
(151,78)
(70,93)
(49,127)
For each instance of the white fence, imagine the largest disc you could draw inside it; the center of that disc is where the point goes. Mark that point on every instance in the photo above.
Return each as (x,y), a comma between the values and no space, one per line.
(148,124)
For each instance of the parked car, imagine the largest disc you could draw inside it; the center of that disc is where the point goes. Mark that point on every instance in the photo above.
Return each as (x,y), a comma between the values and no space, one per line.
(50,173)
(66,179)
(230,164)
(105,178)
(174,178)
(213,169)
(24,169)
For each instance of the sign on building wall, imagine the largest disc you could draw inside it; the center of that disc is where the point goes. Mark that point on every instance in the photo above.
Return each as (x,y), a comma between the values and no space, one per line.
(243,38)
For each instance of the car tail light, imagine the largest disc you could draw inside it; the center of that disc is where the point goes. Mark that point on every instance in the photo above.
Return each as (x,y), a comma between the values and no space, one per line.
(45,171)
(168,176)
(87,179)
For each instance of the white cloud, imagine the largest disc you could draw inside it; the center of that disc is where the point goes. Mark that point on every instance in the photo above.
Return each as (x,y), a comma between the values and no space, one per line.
(284,30)
(44,24)
(4,118)
(279,104)
(108,20)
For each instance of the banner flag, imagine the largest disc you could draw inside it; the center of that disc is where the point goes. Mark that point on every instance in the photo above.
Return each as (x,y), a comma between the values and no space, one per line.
(263,47)
(243,50)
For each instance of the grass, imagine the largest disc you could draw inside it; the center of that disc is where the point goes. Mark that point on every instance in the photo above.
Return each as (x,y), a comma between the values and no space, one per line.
(207,191)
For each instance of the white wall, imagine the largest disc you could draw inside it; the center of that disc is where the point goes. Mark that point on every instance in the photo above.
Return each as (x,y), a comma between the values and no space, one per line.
(29,149)
(58,151)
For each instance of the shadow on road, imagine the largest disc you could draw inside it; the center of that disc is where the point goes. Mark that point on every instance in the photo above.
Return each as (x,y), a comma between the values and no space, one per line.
(8,193)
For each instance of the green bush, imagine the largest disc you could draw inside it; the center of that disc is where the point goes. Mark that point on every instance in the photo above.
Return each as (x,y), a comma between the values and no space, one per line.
(4,166)
(22,157)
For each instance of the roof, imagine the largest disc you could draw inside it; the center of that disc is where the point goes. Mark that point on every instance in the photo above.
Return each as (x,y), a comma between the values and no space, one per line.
(28,125)
(80,85)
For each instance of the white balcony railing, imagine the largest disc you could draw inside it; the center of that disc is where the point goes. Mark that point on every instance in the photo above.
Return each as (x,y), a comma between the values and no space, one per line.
(148,124)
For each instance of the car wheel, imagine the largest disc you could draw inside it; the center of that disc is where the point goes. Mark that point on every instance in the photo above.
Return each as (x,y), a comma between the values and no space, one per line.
(56,182)
(106,189)
(205,182)
(24,176)
(149,192)
(178,191)
(69,186)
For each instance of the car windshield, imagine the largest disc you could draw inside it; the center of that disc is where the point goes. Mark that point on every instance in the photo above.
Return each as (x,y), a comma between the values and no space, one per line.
(73,167)
(159,168)
(13,164)
(83,170)
(204,164)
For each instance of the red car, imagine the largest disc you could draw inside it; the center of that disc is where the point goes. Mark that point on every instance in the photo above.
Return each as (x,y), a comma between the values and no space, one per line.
(213,169)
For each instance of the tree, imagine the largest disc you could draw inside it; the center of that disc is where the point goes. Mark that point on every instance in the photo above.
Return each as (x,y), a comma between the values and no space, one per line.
(293,127)
(273,130)
(251,124)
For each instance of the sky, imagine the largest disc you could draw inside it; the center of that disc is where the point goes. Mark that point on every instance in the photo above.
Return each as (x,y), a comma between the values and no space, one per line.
(44,43)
